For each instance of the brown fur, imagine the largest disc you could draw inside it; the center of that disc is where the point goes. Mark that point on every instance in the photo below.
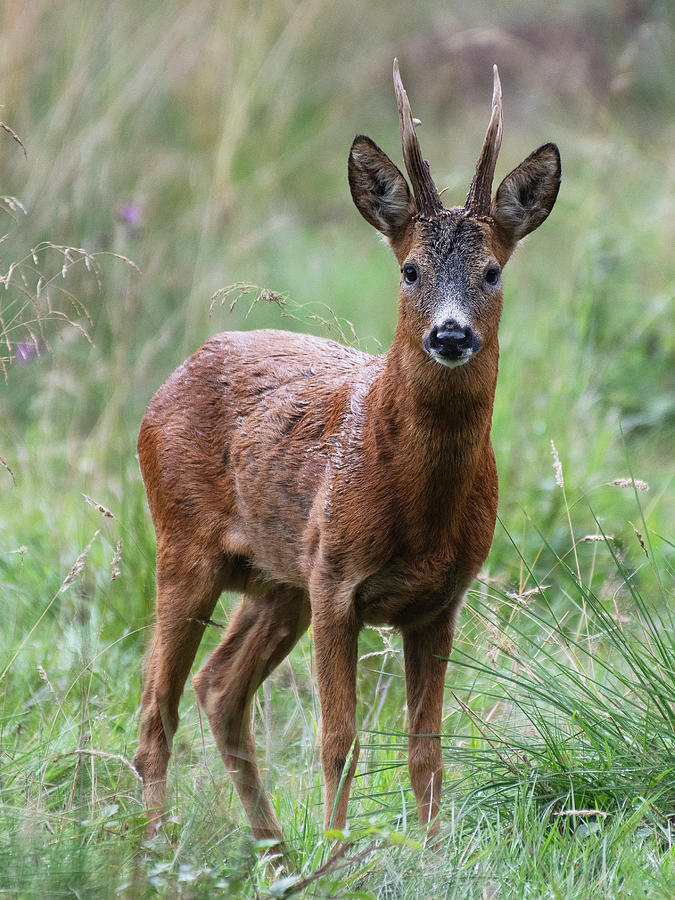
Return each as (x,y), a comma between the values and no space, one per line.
(333,487)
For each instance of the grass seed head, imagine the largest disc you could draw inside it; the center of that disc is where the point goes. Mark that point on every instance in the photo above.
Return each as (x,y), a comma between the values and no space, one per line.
(557,465)
(78,565)
(115,564)
(637,483)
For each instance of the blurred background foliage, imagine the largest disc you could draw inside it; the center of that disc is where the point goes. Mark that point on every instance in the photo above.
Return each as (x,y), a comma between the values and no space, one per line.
(208,142)
(175,148)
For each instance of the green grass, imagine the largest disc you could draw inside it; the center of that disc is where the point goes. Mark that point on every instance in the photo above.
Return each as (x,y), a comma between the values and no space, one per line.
(224,130)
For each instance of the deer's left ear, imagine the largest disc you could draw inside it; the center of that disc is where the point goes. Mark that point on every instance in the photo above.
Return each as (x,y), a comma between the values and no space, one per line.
(526,196)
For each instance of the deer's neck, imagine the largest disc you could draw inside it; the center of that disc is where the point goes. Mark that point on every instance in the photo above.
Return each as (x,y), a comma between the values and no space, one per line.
(440,415)
(429,427)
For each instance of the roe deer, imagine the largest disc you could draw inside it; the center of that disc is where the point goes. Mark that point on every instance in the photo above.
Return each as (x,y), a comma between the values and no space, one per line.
(336,488)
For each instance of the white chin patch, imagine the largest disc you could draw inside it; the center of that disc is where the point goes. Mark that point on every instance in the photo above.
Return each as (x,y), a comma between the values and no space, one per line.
(450,363)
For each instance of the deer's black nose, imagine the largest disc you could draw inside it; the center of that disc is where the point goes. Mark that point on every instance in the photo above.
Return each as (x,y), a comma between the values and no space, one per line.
(451,340)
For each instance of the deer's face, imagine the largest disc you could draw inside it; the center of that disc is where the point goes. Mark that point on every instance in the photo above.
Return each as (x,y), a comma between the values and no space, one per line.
(451,286)
(451,259)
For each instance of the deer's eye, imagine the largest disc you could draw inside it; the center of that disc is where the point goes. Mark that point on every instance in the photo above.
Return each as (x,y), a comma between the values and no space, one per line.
(410,275)
(491,275)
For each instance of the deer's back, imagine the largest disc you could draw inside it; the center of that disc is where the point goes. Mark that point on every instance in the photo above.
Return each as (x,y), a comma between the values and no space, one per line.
(235,445)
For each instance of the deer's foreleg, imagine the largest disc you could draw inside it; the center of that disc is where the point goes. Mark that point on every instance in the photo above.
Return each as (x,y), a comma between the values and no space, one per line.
(335,637)
(426,653)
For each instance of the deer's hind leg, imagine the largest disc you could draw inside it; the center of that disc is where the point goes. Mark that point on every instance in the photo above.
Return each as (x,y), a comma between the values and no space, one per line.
(185,600)
(263,630)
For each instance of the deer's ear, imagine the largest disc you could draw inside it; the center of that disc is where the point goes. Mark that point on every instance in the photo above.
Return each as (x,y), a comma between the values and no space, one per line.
(526,196)
(379,190)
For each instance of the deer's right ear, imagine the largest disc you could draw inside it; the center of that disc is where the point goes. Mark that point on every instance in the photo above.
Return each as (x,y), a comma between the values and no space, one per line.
(379,190)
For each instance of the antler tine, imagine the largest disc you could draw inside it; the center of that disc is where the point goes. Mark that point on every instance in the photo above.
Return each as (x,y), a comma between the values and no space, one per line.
(479,197)
(428,199)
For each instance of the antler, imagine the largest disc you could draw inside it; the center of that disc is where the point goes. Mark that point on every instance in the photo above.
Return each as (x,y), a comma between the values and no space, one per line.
(428,199)
(479,197)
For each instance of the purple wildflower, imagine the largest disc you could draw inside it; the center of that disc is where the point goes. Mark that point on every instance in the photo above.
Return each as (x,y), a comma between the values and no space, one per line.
(131,213)
(26,350)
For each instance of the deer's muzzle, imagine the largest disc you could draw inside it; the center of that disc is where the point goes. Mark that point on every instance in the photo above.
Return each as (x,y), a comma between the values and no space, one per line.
(452,344)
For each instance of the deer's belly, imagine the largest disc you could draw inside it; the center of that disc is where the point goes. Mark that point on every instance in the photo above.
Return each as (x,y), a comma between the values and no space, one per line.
(406,597)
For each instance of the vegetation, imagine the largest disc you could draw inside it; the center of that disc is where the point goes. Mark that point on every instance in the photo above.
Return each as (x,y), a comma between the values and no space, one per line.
(176,150)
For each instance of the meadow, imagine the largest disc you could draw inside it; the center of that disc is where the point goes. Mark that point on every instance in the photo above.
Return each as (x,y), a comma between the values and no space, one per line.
(176,169)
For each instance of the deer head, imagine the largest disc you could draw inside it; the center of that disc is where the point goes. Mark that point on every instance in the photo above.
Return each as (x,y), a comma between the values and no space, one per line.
(451,259)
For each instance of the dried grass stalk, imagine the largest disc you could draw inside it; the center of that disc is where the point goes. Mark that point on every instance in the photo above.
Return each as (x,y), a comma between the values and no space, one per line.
(79,564)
